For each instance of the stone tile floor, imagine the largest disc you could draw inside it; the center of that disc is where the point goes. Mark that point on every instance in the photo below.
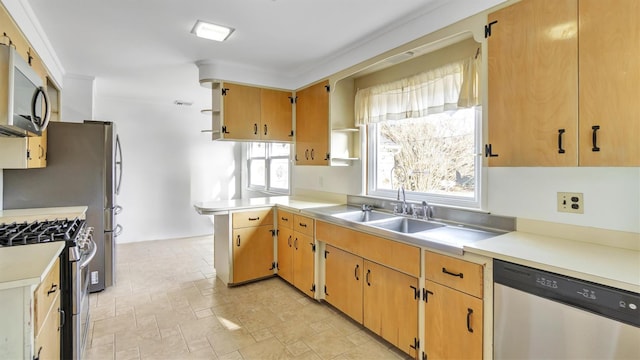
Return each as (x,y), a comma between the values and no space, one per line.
(167,304)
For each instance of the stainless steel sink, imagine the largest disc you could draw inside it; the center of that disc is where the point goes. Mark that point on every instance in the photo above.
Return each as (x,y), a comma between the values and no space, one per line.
(362,216)
(405,225)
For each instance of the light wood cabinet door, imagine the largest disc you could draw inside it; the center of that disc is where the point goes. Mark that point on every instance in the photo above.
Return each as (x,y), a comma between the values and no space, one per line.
(36,152)
(252,253)
(343,282)
(609,82)
(390,306)
(47,340)
(533,84)
(303,263)
(312,125)
(285,253)
(453,324)
(241,106)
(276,115)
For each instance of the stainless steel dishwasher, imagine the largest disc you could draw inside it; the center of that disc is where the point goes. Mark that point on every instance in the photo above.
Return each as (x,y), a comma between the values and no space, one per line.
(543,315)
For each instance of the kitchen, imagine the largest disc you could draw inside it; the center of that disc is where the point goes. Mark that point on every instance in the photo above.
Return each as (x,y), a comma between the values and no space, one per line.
(611,194)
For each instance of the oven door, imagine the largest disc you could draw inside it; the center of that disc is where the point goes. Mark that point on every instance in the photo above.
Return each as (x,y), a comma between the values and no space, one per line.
(80,298)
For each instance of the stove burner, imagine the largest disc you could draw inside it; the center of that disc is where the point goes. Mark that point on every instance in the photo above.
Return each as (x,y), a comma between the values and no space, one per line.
(39,232)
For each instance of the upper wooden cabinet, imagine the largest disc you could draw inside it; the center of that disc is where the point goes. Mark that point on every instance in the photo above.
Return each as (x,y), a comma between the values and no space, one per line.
(251,113)
(609,78)
(312,125)
(563,76)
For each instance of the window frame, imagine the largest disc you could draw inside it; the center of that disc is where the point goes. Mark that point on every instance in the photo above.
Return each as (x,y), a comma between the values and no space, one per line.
(474,202)
(268,160)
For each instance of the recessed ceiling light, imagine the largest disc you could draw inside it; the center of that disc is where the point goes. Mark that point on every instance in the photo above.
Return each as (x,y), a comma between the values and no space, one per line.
(211,31)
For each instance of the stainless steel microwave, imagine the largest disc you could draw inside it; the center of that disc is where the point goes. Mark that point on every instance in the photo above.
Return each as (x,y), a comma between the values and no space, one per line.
(24,105)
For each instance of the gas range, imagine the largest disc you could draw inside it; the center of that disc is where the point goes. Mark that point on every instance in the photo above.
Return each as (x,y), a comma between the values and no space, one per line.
(79,250)
(36,232)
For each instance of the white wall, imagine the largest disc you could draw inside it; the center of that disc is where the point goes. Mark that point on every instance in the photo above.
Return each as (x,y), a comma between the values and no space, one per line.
(77,98)
(168,165)
(611,195)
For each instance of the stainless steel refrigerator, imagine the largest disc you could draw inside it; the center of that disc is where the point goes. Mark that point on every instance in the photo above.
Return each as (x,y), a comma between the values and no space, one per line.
(84,167)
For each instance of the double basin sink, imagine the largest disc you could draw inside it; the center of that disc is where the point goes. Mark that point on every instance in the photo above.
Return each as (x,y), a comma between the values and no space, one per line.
(450,237)
(389,222)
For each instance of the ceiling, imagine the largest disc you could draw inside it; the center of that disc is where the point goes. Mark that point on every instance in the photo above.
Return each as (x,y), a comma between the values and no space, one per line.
(147,44)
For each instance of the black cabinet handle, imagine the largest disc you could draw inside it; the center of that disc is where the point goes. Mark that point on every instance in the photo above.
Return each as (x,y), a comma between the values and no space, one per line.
(460,275)
(54,288)
(469,312)
(255,129)
(295,243)
(306,154)
(367,277)
(254,219)
(265,129)
(312,154)
(289,241)
(594,138)
(303,225)
(355,271)
(238,241)
(284,219)
(560,149)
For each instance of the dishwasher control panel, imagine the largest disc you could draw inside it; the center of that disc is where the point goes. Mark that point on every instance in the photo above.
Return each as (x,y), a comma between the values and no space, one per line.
(617,304)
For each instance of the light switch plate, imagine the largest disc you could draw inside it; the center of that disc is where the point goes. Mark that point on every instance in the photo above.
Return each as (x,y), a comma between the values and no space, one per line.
(571,202)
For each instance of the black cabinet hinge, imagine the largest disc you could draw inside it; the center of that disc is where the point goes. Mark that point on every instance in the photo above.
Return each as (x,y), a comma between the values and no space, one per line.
(274,232)
(488,152)
(327,87)
(28,154)
(424,356)
(325,254)
(291,133)
(487,28)
(313,247)
(325,290)
(292,99)
(425,295)
(224,129)
(416,344)
(328,156)
(273,265)
(224,91)
(313,288)
(416,292)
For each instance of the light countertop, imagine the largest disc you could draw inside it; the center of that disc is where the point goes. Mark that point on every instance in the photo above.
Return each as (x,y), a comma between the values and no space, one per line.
(224,206)
(611,266)
(27,265)
(51,213)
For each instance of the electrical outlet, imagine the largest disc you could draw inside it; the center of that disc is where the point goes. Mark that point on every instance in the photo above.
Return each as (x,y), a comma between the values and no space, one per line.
(570,202)
(94,277)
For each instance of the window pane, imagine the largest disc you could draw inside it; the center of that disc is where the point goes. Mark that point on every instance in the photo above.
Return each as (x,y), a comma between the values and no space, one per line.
(433,154)
(257,172)
(257,149)
(279,149)
(279,173)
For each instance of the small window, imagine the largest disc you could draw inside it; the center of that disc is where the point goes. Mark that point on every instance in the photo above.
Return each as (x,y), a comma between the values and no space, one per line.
(269,167)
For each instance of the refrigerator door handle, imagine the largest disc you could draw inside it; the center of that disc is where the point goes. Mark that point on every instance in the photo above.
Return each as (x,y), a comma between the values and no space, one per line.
(116,232)
(118,164)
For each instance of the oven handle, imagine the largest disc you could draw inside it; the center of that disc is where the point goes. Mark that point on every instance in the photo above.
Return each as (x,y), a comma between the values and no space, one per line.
(93,248)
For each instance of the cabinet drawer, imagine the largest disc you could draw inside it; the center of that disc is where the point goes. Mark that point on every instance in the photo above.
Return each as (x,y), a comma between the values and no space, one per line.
(46,293)
(454,273)
(253,218)
(285,219)
(303,224)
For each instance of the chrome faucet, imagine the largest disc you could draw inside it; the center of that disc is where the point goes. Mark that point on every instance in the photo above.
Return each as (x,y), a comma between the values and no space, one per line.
(404,199)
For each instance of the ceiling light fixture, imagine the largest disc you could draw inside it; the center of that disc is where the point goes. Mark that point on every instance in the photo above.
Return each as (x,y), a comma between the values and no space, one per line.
(211,31)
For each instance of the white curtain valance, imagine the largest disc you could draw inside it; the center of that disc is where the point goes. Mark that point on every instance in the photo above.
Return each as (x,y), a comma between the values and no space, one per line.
(445,88)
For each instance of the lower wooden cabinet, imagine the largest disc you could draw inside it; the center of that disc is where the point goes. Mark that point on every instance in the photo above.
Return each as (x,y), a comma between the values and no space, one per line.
(252,253)
(296,251)
(453,323)
(343,282)
(47,340)
(390,306)
(453,296)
